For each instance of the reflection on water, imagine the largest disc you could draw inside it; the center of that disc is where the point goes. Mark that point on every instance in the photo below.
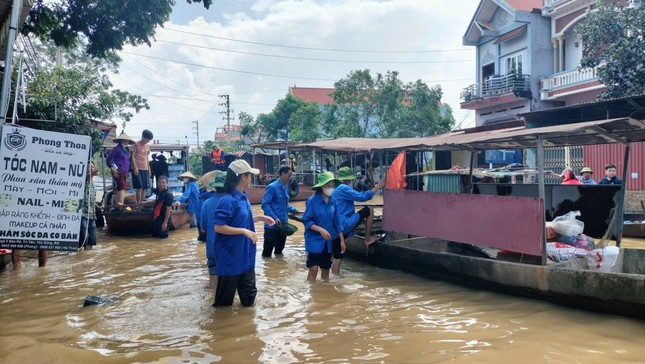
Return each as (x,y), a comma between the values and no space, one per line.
(161,313)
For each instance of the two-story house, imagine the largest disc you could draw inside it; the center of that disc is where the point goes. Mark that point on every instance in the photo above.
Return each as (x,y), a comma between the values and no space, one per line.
(513,45)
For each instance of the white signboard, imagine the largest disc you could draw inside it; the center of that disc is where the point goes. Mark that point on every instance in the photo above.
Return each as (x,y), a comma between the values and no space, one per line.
(42,177)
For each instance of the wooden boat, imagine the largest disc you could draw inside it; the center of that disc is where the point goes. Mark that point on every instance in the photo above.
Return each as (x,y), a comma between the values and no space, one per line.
(634,226)
(141,222)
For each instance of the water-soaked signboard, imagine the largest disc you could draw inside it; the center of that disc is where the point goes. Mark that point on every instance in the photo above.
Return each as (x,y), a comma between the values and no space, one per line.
(42,177)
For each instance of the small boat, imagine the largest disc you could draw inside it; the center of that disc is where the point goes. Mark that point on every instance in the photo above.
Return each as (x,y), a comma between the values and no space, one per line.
(122,222)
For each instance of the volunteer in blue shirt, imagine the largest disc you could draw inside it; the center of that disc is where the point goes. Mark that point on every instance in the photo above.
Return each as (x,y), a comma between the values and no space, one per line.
(235,237)
(585,176)
(208,226)
(322,225)
(275,203)
(345,196)
(190,197)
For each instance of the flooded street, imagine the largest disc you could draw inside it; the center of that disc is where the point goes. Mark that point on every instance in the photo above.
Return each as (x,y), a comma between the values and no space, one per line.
(161,313)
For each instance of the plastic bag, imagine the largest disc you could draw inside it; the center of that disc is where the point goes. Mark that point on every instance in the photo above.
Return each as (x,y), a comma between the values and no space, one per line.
(603,259)
(560,252)
(567,224)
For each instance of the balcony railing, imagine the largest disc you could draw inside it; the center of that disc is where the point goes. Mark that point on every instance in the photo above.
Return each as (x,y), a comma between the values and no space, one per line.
(568,78)
(498,85)
(548,3)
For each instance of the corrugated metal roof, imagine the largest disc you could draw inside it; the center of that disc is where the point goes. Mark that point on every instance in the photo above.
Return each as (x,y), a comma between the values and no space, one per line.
(587,133)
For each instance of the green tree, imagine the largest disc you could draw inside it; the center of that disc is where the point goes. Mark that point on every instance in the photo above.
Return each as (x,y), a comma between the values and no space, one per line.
(357,105)
(74,95)
(305,123)
(291,119)
(102,25)
(383,106)
(613,37)
(195,163)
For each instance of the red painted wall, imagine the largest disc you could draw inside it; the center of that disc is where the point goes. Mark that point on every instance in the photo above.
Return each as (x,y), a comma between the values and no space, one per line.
(512,223)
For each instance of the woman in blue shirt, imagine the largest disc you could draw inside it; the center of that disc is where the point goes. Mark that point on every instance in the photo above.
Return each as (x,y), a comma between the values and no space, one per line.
(207,226)
(235,237)
(322,225)
(190,197)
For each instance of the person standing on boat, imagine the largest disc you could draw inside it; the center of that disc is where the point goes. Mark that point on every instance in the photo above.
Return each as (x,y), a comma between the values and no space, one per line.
(345,197)
(217,157)
(88,218)
(610,177)
(162,210)
(140,166)
(275,203)
(190,197)
(235,238)
(585,176)
(323,223)
(208,225)
(119,162)
(570,177)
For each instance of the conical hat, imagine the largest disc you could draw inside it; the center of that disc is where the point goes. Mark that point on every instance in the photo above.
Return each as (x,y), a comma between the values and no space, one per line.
(123,137)
(187,175)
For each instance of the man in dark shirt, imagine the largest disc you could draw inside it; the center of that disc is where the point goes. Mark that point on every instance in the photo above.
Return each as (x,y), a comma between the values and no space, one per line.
(610,176)
(162,209)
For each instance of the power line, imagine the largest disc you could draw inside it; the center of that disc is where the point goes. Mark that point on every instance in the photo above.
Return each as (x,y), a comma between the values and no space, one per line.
(231,70)
(307,58)
(315,49)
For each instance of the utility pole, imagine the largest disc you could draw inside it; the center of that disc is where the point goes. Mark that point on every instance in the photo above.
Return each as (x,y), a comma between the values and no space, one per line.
(196,127)
(227,114)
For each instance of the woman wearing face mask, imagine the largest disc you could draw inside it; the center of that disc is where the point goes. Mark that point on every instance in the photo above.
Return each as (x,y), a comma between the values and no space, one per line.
(322,225)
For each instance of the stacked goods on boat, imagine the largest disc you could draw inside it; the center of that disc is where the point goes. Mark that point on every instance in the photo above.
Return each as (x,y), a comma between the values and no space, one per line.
(565,240)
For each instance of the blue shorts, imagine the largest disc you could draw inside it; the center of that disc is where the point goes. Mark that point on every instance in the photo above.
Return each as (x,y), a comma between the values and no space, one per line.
(141,181)
(212,266)
(323,260)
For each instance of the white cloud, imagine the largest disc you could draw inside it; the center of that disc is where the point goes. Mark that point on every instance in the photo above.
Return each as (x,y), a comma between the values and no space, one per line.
(194,77)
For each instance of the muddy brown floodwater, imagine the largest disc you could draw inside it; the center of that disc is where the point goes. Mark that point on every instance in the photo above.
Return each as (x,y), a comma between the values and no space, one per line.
(161,313)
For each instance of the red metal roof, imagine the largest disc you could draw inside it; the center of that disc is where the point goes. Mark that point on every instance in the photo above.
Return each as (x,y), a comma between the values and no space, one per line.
(321,96)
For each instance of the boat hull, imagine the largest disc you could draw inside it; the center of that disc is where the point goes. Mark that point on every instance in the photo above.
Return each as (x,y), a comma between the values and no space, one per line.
(141,222)
(570,283)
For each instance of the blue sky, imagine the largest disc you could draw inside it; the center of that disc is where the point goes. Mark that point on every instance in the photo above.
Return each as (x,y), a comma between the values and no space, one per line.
(254,50)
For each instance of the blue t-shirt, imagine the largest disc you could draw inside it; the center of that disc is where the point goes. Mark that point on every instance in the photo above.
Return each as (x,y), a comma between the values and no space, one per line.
(235,254)
(345,196)
(324,215)
(208,217)
(191,198)
(275,202)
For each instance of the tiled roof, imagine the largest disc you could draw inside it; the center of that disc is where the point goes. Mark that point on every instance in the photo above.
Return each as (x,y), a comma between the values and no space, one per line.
(321,96)
(526,5)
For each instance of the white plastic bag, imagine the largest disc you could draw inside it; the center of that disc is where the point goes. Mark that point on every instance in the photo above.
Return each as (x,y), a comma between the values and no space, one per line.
(603,259)
(567,224)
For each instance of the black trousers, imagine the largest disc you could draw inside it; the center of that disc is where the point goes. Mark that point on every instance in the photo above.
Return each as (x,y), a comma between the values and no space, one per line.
(244,284)
(156,229)
(273,239)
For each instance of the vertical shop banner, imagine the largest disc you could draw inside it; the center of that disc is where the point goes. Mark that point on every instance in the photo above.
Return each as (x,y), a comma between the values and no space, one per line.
(42,189)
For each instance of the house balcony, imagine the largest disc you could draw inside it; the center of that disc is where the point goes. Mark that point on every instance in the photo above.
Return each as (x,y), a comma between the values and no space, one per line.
(496,90)
(569,83)
(548,3)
